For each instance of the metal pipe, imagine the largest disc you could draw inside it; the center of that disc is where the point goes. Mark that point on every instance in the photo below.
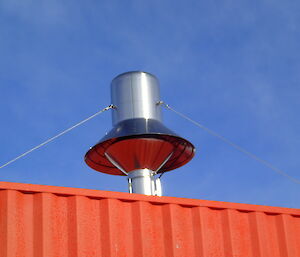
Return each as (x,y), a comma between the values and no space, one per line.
(143,181)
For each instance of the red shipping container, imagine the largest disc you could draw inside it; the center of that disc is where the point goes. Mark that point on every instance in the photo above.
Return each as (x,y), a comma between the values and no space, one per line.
(48,221)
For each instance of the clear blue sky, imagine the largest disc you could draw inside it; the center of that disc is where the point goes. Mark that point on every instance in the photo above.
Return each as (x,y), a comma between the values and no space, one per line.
(231,65)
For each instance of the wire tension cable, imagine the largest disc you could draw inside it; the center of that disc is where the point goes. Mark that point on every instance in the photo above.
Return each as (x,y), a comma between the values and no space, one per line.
(58,135)
(237,147)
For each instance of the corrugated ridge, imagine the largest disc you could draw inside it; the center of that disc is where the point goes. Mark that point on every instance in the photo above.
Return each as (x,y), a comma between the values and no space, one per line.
(65,191)
(3,223)
(44,224)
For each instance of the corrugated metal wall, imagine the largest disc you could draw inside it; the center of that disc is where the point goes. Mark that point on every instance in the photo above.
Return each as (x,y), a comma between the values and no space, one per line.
(50,221)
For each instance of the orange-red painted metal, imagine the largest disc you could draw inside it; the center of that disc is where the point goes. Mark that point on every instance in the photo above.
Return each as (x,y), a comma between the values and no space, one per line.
(53,221)
(140,153)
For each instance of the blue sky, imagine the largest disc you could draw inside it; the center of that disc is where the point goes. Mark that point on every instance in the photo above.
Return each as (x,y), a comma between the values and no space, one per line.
(231,65)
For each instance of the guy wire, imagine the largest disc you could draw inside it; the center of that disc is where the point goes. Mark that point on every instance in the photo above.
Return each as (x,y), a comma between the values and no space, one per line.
(58,135)
(237,147)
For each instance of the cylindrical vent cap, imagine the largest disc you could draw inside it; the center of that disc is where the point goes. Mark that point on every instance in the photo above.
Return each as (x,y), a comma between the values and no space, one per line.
(135,95)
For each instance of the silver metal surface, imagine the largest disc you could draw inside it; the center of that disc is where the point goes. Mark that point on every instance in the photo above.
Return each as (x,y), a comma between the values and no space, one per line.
(143,181)
(163,163)
(136,114)
(115,163)
(135,95)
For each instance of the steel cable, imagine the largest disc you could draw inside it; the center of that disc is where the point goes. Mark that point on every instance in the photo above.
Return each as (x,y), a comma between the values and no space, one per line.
(58,135)
(237,147)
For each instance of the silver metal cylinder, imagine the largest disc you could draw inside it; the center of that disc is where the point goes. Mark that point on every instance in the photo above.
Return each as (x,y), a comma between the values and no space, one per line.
(142,181)
(135,95)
